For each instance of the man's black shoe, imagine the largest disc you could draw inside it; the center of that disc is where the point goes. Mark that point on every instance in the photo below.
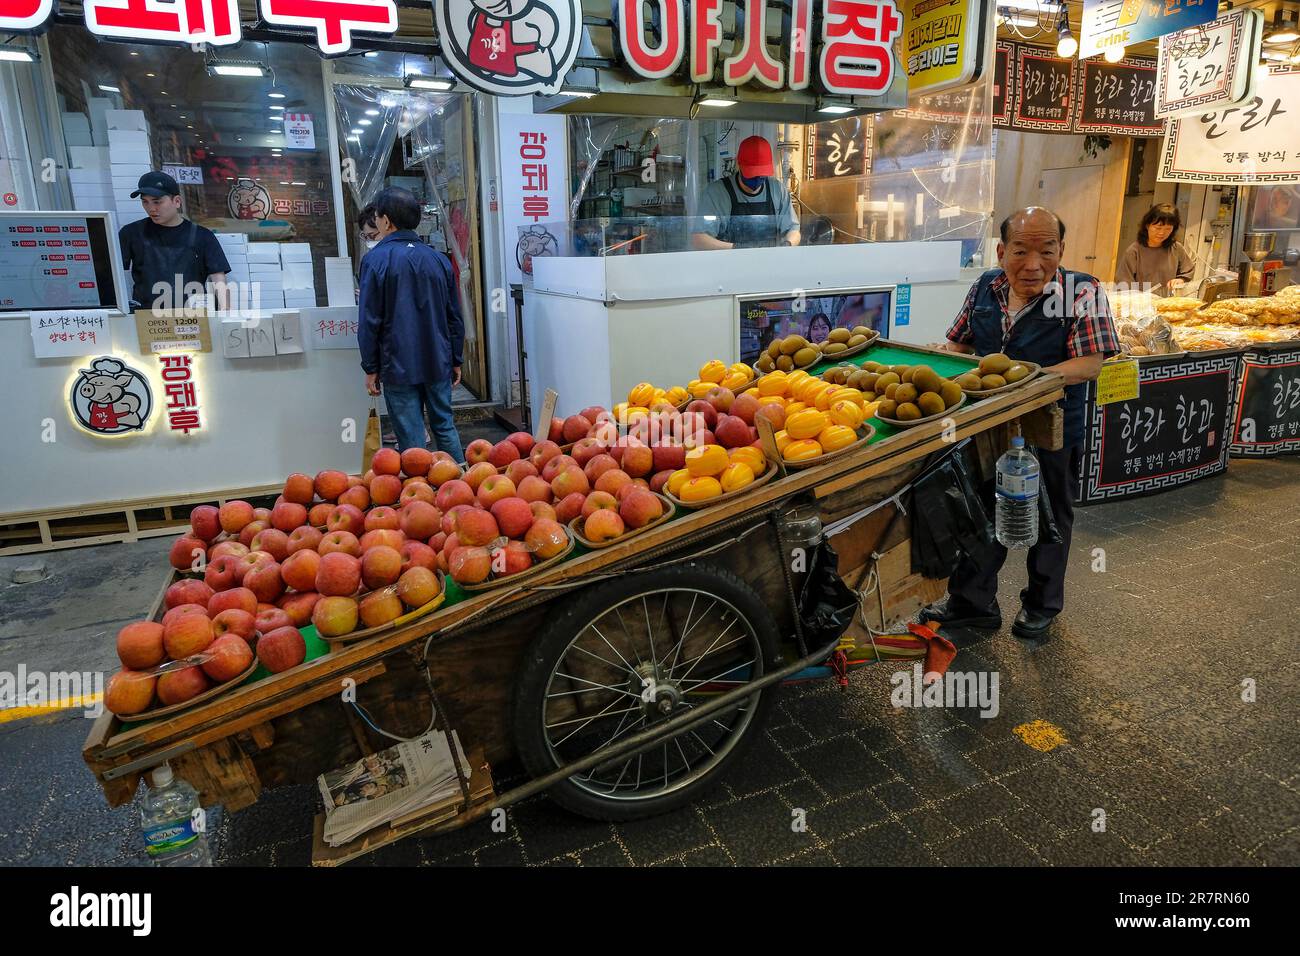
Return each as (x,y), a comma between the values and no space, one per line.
(1031,624)
(960,614)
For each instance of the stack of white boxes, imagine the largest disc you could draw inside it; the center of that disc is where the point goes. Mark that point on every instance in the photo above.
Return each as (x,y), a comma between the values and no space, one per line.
(235,246)
(129,159)
(299,276)
(266,273)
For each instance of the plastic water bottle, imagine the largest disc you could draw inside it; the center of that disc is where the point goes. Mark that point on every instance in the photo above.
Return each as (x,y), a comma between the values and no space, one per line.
(173,830)
(1016,520)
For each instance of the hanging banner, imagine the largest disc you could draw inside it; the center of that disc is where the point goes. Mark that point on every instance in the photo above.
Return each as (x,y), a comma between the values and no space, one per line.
(534,187)
(1045,93)
(841,148)
(1209,67)
(1254,142)
(944,43)
(1111,23)
(1267,421)
(1004,84)
(1117,98)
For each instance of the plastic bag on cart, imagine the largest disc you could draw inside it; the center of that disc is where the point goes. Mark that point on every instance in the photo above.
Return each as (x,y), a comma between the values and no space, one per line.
(826,603)
(1048,532)
(948,518)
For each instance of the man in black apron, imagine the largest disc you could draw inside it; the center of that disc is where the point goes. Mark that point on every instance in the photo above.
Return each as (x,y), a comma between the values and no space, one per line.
(166,253)
(748,209)
(1031,309)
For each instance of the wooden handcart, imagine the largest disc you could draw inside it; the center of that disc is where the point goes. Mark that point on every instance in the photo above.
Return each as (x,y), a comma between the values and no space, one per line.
(625,680)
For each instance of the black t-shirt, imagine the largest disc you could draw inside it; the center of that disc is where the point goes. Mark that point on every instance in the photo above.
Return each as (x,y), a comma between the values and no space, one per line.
(155,253)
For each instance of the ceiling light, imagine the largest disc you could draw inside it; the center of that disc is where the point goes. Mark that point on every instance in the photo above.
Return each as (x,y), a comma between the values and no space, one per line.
(364,122)
(417,82)
(578,92)
(371,54)
(355,138)
(133,53)
(836,109)
(1286,36)
(276,95)
(297,184)
(9,54)
(275,106)
(716,101)
(234,68)
(191,126)
(357,131)
(109,89)
(284,182)
(372,112)
(151,75)
(1113,54)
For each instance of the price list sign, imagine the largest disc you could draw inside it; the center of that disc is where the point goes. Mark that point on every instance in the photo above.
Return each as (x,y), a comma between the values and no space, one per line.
(1045,97)
(1175,431)
(1267,422)
(1118,98)
(1210,67)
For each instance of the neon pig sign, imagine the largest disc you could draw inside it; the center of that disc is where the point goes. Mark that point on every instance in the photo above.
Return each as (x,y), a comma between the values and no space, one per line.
(854,41)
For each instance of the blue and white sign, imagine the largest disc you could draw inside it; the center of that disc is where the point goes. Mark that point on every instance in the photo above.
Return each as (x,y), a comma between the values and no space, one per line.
(1111,23)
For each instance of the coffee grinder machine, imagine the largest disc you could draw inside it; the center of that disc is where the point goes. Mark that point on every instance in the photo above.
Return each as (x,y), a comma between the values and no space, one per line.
(1257,246)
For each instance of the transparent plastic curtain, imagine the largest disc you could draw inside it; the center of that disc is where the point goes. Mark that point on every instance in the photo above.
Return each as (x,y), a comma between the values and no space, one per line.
(377,114)
(610,155)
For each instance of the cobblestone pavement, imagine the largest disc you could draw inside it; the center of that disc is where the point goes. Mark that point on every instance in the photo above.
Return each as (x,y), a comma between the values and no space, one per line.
(1142,677)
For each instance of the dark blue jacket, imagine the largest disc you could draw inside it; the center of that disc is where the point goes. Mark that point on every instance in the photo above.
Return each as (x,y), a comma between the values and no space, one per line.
(411,331)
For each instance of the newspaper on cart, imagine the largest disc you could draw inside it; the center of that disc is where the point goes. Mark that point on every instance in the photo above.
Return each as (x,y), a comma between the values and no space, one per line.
(382,787)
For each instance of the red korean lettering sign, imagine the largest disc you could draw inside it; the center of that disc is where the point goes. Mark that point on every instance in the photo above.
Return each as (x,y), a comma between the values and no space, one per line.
(180,391)
(334,20)
(22,15)
(182,21)
(534,170)
(652,62)
(857,54)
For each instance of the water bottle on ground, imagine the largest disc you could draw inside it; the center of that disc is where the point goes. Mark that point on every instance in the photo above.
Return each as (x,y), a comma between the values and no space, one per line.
(169,821)
(1016,520)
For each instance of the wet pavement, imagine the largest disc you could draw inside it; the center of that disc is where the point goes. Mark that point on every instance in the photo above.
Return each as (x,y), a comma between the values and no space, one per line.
(1158,725)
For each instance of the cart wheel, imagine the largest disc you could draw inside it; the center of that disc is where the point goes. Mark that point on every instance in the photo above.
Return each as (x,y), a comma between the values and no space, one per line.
(629,654)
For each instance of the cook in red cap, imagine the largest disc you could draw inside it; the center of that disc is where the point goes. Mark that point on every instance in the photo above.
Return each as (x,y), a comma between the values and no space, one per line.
(749,208)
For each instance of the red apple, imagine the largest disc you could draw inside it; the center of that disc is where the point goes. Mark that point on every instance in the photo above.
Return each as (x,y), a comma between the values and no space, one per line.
(380,567)
(453,493)
(230,657)
(449,518)
(383,517)
(668,457)
(288,515)
(442,471)
(523,441)
(386,461)
(479,473)
(347,518)
(478,451)
(513,516)
(319,515)
(417,491)
(534,488)
(188,591)
(659,480)
(470,565)
(543,452)
(186,635)
(205,522)
(415,554)
(569,507)
(598,466)
(284,647)
(183,609)
(299,489)
(237,598)
(224,572)
(732,432)
(598,500)
(385,489)
(517,471)
(176,687)
(546,538)
(511,559)
(344,542)
(188,553)
(639,508)
(234,621)
(252,530)
(420,520)
(703,408)
(299,605)
(304,539)
(358,496)
(299,570)
(555,432)
(638,460)
(379,607)
(586,449)
(233,515)
(611,481)
(416,461)
(602,525)
(230,547)
(339,575)
(382,536)
(264,514)
(129,692)
(476,528)
(330,484)
(503,453)
(569,481)
(140,645)
(576,427)
(557,465)
(720,398)
(265,582)
(494,488)
(274,542)
(541,509)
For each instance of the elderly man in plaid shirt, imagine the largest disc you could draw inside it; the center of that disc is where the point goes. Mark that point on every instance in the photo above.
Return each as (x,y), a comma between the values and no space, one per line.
(1031,309)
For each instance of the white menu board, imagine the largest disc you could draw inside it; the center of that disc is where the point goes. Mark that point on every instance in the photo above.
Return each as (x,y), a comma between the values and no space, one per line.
(1209,67)
(57,261)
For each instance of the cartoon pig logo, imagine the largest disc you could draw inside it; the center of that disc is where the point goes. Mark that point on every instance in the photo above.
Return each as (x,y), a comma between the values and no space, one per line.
(109,398)
(510,47)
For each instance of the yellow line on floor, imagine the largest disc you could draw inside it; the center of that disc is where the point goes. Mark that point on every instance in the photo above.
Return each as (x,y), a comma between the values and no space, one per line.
(66,703)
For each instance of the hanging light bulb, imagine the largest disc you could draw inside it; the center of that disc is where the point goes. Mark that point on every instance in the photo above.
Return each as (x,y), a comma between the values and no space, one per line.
(1066,45)
(1114,54)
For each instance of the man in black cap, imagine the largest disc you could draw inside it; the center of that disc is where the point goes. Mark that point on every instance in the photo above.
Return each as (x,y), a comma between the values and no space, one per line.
(168,252)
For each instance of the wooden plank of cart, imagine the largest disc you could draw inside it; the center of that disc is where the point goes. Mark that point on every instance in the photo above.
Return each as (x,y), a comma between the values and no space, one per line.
(625,679)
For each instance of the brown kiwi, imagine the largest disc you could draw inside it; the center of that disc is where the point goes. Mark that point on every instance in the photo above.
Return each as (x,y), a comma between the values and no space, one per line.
(950,392)
(930,403)
(868,397)
(907,392)
(765,363)
(926,379)
(774,349)
(994,364)
(885,379)
(874,367)
(793,343)
(899,370)
(887,408)
(839,335)
(971,381)
(861,330)
(907,412)
(834,348)
(1015,373)
(911,370)
(993,381)
(785,363)
(891,391)
(805,356)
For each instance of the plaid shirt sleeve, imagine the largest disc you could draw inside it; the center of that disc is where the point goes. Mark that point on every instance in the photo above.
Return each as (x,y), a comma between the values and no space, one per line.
(1093,329)
(960,330)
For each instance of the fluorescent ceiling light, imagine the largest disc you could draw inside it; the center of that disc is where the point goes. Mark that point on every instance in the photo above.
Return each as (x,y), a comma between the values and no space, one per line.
(237,69)
(357,131)
(275,106)
(275,96)
(284,182)
(1285,36)
(428,83)
(372,112)
(581,94)
(371,54)
(716,101)
(297,184)
(364,122)
(836,109)
(109,89)
(11,55)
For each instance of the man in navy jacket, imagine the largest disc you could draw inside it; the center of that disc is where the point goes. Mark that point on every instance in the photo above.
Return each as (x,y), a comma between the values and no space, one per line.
(411,332)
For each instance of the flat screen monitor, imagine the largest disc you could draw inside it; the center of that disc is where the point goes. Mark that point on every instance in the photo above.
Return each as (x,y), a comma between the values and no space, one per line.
(58,260)
(764,318)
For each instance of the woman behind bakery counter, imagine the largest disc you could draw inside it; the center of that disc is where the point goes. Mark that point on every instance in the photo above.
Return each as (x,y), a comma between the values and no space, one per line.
(1157,260)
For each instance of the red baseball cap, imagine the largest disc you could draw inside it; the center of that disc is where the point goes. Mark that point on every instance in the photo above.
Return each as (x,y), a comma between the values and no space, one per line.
(754,158)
